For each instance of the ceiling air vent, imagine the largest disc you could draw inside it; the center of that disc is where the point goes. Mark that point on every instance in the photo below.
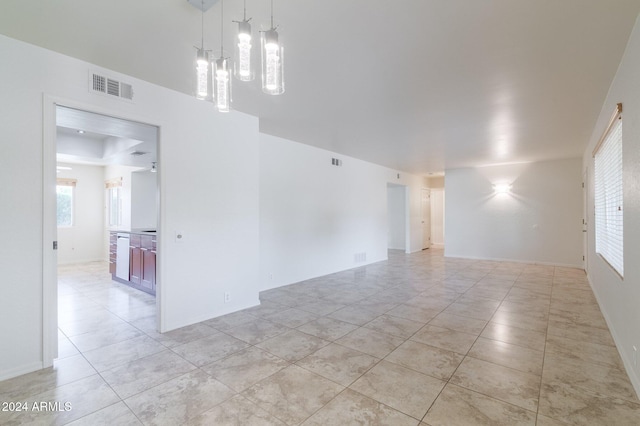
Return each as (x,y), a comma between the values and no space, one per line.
(336,162)
(99,83)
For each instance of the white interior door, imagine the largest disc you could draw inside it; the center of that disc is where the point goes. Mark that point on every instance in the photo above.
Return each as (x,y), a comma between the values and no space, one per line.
(426,219)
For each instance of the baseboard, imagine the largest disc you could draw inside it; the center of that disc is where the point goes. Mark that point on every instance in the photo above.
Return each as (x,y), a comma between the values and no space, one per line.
(81,261)
(196,320)
(530,262)
(628,363)
(19,371)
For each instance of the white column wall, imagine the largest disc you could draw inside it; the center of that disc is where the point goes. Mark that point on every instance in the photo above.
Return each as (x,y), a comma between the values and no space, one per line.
(397,217)
(144,202)
(215,207)
(315,217)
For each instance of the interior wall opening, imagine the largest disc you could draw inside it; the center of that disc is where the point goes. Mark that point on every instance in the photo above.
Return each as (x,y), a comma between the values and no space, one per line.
(107,186)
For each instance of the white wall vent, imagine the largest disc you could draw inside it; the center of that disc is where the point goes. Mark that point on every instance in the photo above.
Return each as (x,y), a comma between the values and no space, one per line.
(360,257)
(336,162)
(100,83)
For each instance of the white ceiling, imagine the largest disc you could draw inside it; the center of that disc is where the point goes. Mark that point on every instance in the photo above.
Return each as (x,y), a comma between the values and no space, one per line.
(104,140)
(417,85)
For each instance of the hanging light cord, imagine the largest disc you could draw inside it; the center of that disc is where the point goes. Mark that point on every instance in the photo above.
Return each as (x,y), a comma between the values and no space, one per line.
(202,26)
(244,14)
(221,27)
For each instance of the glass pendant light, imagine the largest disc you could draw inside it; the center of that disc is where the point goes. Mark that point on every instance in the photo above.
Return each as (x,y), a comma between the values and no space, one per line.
(222,83)
(242,64)
(203,67)
(272,61)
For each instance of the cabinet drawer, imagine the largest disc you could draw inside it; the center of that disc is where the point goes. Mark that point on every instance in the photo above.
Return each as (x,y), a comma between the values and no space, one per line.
(147,242)
(135,240)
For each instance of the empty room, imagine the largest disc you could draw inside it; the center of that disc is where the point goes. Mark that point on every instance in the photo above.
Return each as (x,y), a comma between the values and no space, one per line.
(287,212)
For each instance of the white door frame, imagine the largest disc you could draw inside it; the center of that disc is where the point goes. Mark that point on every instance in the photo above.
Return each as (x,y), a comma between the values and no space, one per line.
(426,227)
(49,224)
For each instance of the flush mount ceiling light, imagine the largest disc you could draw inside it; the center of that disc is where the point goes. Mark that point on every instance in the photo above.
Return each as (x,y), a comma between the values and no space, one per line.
(242,66)
(272,61)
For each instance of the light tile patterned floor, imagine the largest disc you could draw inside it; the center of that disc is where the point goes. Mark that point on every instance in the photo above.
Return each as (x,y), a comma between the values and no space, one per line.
(416,340)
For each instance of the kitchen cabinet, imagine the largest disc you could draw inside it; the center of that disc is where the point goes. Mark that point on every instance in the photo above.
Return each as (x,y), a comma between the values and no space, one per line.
(141,261)
(113,241)
(148,266)
(135,258)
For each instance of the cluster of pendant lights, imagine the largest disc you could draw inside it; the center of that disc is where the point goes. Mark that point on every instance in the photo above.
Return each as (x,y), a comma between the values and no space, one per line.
(213,76)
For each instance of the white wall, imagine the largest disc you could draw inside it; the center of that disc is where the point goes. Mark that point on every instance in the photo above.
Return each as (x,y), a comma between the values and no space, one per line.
(437,217)
(215,207)
(435,182)
(314,217)
(396,217)
(619,299)
(144,200)
(539,220)
(84,241)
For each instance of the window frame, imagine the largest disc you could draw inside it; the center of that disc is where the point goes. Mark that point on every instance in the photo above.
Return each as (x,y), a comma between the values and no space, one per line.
(67,183)
(110,186)
(608,191)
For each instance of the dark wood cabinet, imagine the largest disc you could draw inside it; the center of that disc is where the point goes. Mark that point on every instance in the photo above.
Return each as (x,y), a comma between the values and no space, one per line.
(113,243)
(148,267)
(135,258)
(142,261)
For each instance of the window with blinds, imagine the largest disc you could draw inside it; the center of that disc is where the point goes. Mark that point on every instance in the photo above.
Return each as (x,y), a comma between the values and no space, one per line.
(609,211)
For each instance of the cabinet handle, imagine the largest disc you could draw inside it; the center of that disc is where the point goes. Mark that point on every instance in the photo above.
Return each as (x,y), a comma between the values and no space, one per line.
(143,249)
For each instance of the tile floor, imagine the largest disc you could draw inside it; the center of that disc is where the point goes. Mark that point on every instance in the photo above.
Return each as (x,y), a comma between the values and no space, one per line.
(416,340)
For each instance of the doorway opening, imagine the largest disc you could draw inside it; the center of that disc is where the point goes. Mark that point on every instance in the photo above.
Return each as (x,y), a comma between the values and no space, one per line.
(397,217)
(105,171)
(426,218)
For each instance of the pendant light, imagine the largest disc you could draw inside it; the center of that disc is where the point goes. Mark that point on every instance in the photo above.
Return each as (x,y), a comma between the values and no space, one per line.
(203,67)
(272,61)
(222,80)
(242,64)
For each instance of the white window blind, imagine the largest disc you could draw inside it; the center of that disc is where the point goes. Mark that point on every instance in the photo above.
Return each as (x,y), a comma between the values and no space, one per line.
(608,196)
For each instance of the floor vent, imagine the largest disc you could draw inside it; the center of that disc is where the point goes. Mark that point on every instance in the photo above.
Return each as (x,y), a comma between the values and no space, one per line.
(99,83)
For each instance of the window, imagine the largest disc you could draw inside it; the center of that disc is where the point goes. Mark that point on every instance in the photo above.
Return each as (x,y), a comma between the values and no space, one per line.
(114,202)
(608,194)
(64,205)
